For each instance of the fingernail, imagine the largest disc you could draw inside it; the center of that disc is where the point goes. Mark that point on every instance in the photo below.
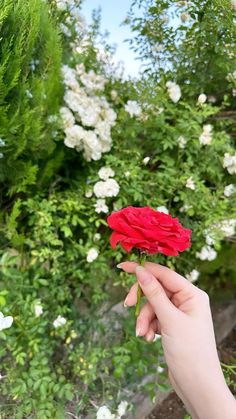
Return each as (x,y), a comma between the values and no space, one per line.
(138,330)
(150,338)
(125,304)
(143,276)
(119,266)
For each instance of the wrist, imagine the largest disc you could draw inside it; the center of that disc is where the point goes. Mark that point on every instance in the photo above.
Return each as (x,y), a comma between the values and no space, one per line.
(212,399)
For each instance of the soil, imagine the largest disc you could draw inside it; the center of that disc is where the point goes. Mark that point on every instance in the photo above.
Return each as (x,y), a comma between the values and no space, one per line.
(172,407)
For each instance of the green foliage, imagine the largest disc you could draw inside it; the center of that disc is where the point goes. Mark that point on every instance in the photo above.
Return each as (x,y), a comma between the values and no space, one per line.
(30,91)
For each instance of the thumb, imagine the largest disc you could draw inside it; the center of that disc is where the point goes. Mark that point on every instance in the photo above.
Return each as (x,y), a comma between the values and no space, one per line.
(165,311)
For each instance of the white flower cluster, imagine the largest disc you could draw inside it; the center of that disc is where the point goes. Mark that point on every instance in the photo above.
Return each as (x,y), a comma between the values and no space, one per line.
(231,76)
(133,108)
(59,321)
(193,275)
(2,144)
(65,4)
(92,254)
(181,142)
(106,188)
(88,118)
(5,322)
(174,91)
(202,98)
(104,412)
(38,309)
(206,253)
(162,208)
(106,172)
(227,227)
(146,160)
(233,3)
(230,163)
(206,136)
(229,190)
(190,184)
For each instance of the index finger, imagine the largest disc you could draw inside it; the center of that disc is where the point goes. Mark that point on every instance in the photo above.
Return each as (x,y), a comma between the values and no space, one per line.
(171,280)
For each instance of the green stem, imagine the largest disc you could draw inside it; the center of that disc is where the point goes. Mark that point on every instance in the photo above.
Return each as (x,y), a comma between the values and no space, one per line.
(142,258)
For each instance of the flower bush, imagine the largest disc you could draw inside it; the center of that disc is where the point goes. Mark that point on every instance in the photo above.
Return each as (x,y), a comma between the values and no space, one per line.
(77,142)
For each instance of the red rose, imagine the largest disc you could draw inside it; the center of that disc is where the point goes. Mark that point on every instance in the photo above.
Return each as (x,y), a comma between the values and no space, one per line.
(148,230)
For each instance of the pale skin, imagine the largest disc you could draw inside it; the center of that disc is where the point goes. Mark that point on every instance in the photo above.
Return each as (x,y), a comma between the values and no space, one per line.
(180,313)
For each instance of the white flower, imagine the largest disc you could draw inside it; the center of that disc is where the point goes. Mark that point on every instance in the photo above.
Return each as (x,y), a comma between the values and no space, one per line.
(202,98)
(61,4)
(97,237)
(2,142)
(122,408)
(206,136)
(114,94)
(182,142)
(229,190)
(133,108)
(29,94)
(1,155)
(193,275)
(88,193)
(92,146)
(185,207)
(210,240)
(227,227)
(92,254)
(212,99)
(184,17)
(70,78)
(146,160)
(230,163)
(65,30)
(101,206)
(127,174)
(59,321)
(67,117)
(74,136)
(162,208)
(190,183)
(108,188)
(174,91)
(38,309)
(104,413)
(93,81)
(160,369)
(206,253)
(234,92)
(5,322)
(105,173)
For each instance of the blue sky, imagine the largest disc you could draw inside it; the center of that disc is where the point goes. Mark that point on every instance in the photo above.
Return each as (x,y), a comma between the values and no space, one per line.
(113,13)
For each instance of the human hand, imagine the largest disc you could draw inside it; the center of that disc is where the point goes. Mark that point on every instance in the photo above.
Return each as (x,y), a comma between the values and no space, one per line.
(180,312)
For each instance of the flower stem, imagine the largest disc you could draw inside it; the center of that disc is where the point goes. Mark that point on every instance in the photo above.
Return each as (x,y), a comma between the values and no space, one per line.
(142,258)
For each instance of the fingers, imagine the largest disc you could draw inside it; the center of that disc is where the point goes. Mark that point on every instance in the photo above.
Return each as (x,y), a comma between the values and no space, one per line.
(144,319)
(171,280)
(154,329)
(165,311)
(131,298)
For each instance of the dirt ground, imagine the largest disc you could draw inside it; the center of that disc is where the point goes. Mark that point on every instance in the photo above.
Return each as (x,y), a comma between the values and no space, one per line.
(172,407)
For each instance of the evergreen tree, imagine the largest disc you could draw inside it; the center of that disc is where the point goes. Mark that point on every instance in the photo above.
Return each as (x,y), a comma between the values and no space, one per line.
(30,92)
